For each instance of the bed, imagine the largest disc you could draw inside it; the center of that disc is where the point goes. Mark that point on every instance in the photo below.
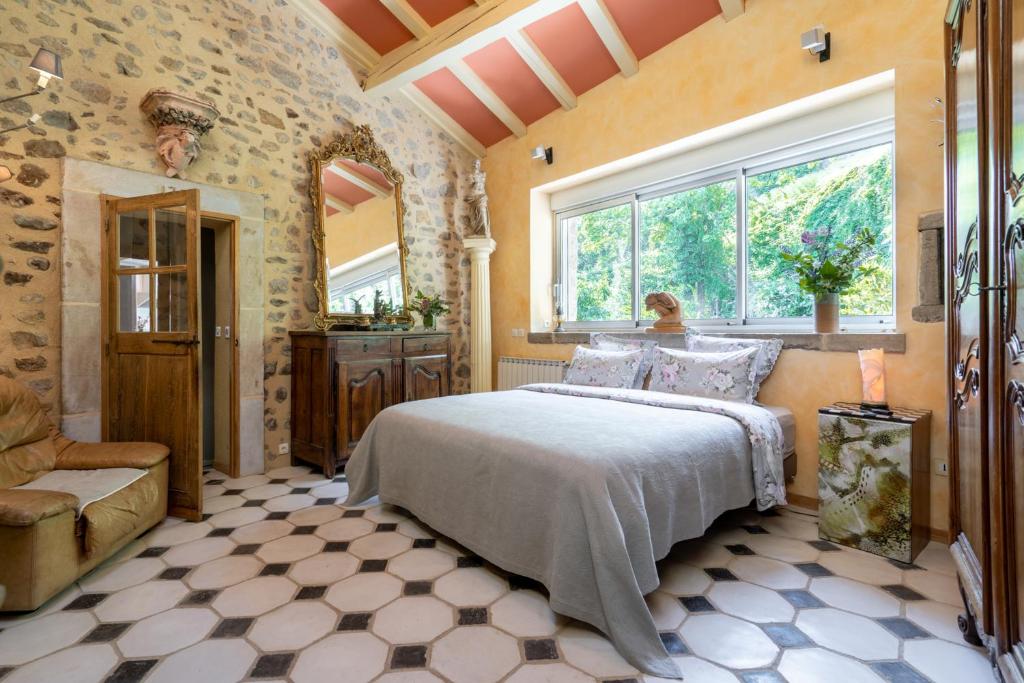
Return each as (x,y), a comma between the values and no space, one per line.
(580,488)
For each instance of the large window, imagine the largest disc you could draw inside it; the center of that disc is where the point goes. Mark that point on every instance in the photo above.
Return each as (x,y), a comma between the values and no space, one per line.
(714,239)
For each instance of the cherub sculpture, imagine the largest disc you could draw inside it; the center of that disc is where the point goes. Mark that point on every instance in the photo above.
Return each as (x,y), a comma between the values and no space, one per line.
(669,312)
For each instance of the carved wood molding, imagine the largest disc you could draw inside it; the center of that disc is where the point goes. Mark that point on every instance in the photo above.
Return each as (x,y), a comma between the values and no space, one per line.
(967,375)
(1012,242)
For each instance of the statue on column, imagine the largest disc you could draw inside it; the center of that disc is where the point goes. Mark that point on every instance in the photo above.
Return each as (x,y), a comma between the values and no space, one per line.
(479,214)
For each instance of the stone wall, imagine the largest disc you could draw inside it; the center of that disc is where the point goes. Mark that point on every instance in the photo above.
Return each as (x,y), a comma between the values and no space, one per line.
(282,88)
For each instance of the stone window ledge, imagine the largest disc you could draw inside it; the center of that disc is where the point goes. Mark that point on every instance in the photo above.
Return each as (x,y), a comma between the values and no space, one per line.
(850,342)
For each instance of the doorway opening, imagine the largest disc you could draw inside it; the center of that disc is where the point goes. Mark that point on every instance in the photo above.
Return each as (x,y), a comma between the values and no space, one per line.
(218,334)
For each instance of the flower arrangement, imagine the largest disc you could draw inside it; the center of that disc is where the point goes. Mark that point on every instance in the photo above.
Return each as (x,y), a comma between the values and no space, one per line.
(825,267)
(429,307)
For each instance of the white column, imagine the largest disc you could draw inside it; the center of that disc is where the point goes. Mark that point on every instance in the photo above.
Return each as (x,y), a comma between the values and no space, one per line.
(480,250)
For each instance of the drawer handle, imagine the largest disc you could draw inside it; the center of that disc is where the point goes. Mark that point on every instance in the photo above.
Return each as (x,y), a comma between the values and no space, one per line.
(366,347)
(426,346)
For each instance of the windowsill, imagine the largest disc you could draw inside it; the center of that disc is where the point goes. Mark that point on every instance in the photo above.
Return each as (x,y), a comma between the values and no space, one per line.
(849,342)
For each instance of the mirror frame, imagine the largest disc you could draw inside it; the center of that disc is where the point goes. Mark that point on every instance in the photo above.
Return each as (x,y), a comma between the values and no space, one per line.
(361,147)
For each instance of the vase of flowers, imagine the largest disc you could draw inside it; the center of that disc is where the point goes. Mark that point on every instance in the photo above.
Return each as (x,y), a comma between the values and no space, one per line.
(429,307)
(828,269)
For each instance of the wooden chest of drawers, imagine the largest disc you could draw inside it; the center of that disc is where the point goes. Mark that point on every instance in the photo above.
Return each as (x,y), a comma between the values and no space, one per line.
(341,380)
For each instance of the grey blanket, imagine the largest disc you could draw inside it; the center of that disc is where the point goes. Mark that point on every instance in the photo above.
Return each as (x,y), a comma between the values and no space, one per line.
(564,486)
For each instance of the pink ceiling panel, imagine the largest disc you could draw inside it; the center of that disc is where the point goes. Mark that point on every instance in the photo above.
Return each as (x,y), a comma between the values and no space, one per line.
(436,11)
(368,172)
(338,187)
(372,22)
(649,25)
(572,46)
(501,68)
(458,102)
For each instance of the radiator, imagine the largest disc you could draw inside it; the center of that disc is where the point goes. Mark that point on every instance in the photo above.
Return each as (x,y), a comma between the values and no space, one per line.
(515,372)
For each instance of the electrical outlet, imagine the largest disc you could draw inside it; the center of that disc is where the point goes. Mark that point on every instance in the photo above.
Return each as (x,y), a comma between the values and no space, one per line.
(283,449)
(940,467)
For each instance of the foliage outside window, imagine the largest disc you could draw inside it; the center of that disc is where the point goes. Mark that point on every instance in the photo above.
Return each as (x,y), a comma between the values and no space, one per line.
(715,242)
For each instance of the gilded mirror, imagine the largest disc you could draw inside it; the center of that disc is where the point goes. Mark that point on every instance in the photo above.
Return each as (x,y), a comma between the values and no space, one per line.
(358,235)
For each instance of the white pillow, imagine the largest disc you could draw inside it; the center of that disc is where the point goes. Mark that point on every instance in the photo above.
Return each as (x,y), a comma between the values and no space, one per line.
(612,369)
(606,342)
(768,352)
(725,376)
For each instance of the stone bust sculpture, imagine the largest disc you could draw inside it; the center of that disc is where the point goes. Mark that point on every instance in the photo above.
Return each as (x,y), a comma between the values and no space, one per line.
(669,312)
(479,214)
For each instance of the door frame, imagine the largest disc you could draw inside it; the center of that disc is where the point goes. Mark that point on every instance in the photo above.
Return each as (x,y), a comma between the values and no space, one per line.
(228,221)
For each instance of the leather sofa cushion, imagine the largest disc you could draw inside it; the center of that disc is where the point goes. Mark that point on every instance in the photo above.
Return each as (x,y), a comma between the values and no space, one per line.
(108,521)
(25,507)
(78,455)
(22,419)
(22,464)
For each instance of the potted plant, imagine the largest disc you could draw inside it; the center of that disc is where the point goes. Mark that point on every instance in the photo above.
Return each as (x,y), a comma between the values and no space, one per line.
(429,307)
(827,269)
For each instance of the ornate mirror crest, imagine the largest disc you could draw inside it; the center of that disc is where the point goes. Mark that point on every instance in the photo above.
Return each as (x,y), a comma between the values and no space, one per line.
(360,247)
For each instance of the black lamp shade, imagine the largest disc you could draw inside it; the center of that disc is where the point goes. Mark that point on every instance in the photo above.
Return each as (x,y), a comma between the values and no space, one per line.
(47,62)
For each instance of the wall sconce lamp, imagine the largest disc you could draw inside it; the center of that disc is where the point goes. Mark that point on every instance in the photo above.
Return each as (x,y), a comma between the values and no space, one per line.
(32,120)
(817,41)
(47,64)
(5,173)
(545,153)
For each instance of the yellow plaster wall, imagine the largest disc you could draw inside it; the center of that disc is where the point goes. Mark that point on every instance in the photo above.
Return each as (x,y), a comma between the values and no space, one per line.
(350,235)
(722,72)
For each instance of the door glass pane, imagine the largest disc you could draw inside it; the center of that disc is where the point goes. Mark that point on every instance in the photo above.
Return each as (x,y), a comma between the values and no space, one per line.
(819,205)
(171,298)
(133,303)
(599,273)
(171,236)
(688,247)
(1017,91)
(133,239)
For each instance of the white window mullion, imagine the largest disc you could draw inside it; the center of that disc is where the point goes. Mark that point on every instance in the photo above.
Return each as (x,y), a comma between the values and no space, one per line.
(637,312)
(741,247)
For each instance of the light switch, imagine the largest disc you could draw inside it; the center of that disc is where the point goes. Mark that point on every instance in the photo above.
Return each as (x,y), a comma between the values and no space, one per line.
(227,331)
(216,331)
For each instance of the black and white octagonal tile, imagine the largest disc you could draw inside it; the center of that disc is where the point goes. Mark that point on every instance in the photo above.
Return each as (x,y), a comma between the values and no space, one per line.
(279,582)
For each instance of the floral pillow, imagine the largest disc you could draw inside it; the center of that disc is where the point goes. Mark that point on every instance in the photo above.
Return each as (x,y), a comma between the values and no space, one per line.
(725,376)
(612,369)
(768,352)
(606,342)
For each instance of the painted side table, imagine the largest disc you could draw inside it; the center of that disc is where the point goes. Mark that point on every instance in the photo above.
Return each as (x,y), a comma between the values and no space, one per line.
(873,479)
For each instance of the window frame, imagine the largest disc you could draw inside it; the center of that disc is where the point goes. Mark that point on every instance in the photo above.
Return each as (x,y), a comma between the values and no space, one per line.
(860,138)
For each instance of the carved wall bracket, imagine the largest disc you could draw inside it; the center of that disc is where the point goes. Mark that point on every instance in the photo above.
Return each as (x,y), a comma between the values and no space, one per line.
(180,121)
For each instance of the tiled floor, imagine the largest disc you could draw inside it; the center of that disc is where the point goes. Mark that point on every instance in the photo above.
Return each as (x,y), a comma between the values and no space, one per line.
(280,582)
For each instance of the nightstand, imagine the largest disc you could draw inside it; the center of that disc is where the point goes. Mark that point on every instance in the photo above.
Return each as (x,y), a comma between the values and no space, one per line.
(873,479)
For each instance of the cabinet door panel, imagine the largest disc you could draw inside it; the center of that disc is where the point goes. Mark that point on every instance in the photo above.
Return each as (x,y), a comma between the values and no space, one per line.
(426,377)
(364,389)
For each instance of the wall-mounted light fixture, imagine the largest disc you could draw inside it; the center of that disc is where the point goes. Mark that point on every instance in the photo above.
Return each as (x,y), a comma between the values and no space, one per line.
(5,173)
(47,64)
(542,152)
(817,41)
(32,120)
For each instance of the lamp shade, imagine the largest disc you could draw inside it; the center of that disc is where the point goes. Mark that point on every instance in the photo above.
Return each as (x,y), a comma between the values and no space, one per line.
(5,173)
(47,63)
(872,371)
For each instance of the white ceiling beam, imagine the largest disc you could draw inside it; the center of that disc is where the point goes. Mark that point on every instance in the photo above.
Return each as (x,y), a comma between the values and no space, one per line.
(338,204)
(603,22)
(490,99)
(359,180)
(731,8)
(444,121)
(477,27)
(547,73)
(409,17)
(349,41)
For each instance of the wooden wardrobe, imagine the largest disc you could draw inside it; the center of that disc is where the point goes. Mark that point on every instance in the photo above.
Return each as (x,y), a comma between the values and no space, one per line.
(985,319)
(341,380)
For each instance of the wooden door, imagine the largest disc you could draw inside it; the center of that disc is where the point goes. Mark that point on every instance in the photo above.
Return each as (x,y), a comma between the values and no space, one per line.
(967,319)
(364,389)
(426,377)
(152,343)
